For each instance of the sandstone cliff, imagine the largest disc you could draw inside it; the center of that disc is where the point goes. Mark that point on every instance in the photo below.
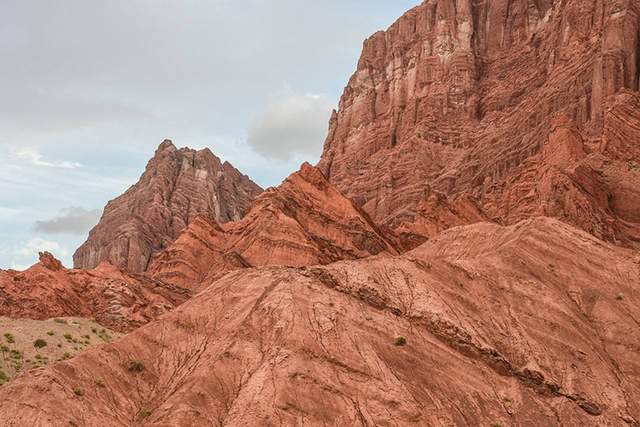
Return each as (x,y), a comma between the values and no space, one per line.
(497,331)
(457,95)
(177,186)
(304,221)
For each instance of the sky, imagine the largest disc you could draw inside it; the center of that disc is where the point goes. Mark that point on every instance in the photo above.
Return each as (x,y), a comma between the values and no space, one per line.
(90,88)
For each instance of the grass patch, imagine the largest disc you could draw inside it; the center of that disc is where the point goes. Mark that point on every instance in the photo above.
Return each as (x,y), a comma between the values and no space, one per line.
(39,343)
(136,366)
(9,337)
(144,414)
(400,341)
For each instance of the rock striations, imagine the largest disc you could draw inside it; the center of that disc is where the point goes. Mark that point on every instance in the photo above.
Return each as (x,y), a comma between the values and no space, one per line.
(457,96)
(486,272)
(177,186)
(304,221)
(498,332)
(118,300)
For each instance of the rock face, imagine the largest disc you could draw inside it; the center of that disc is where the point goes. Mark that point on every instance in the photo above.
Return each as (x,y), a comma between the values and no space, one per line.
(458,96)
(177,186)
(113,298)
(304,221)
(496,331)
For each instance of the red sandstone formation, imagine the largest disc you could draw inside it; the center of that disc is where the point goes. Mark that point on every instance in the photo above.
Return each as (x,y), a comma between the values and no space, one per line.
(177,186)
(115,299)
(461,96)
(304,221)
(498,113)
(533,324)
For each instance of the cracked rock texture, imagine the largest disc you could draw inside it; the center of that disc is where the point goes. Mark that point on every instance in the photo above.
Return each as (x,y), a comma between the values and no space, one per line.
(304,221)
(497,332)
(177,186)
(114,298)
(462,97)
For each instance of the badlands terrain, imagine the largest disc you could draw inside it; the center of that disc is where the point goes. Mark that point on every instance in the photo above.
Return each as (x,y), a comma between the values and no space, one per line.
(465,253)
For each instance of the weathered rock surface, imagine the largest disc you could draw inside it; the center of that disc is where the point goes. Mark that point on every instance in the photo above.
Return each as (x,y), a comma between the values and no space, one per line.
(177,186)
(115,299)
(304,221)
(533,324)
(457,96)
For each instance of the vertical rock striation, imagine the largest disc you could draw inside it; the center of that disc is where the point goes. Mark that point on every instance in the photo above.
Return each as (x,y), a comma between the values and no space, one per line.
(457,95)
(177,186)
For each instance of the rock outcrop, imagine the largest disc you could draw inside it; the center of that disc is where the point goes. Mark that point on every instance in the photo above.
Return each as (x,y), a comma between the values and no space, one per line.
(113,298)
(532,324)
(304,221)
(457,96)
(177,186)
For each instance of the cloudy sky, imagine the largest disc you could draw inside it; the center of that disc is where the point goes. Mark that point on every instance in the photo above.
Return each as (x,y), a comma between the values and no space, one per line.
(89,88)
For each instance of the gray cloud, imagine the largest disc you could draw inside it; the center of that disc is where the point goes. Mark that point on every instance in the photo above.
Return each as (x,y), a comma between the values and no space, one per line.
(294,126)
(72,220)
(101,83)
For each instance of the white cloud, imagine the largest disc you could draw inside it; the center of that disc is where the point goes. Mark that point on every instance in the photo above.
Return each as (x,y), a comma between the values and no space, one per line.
(71,220)
(38,244)
(294,126)
(33,157)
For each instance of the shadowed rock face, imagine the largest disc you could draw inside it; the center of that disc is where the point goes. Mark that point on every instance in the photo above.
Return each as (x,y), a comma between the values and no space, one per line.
(304,221)
(497,331)
(115,299)
(457,96)
(177,186)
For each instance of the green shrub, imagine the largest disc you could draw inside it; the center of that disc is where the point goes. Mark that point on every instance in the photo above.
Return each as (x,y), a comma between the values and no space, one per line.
(66,355)
(144,414)
(9,337)
(67,336)
(39,343)
(77,391)
(51,333)
(3,377)
(136,366)
(400,341)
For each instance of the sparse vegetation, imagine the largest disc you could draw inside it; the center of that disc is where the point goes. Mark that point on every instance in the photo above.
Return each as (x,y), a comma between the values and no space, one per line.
(39,343)
(144,414)
(77,391)
(136,366)
(400,341)
(3,378)
(67,336)
(66,355)
(99,383)
(9,337)
(51,333)
(60,321)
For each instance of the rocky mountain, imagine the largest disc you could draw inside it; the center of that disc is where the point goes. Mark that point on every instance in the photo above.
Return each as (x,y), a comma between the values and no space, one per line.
(465,253)
(479,326)
(462,97)
(177,186)
(116,299)
(304,221)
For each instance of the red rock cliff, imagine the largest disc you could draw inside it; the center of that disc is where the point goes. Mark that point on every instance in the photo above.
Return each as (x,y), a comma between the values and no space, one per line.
(456,95)
(176,187)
